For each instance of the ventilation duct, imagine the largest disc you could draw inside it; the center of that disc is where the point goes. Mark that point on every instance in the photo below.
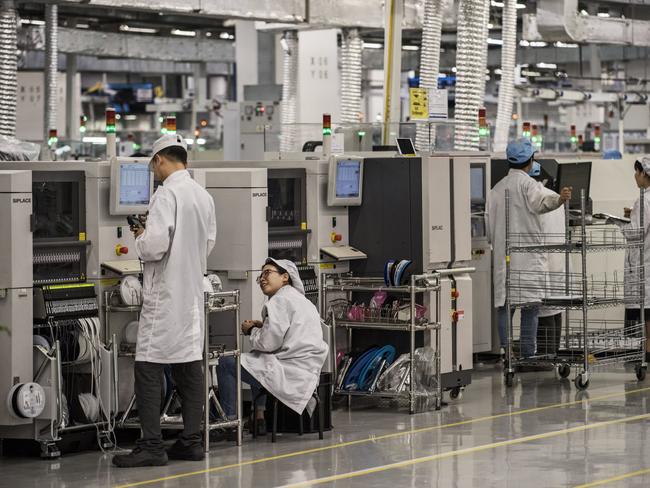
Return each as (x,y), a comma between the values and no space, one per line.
(289,91)
(51,67)
(506,87)
(351,53)
(8,68)
(425,135)
(559,20)
(470,71)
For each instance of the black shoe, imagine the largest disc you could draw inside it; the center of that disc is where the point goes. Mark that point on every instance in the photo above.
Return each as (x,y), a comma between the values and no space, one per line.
(139,458)
(229,435)
(186,452)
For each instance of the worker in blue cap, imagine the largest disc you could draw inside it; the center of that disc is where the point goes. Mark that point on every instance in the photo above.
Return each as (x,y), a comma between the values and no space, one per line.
(529,199)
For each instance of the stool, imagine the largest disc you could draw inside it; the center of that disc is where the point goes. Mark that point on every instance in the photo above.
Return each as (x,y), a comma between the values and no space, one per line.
(274,430)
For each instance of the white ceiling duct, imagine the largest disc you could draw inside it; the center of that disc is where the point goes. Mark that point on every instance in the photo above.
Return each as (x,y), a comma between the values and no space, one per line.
(559,20)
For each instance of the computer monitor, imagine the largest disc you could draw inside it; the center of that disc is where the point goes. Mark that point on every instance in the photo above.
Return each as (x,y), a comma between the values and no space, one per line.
(405,146)
(345,187)
(131,186)
(576,175)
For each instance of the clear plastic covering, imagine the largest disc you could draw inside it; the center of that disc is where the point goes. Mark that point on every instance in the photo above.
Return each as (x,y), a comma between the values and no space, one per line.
(12,149)
(397,377)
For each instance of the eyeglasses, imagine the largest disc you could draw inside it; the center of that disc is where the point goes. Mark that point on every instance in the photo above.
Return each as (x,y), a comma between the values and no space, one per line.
(265,274)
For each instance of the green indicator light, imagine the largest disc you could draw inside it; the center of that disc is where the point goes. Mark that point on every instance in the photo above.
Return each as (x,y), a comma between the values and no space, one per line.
(327,132)
(82,129)
(597,139)
(574,139)
(110,129)
(52,140)
(361,133)
(163,130)
(482,131)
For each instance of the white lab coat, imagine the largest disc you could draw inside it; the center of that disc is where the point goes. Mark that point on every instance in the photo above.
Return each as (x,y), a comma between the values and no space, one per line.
(528,200)
(180,233)
(288,351)
(554,223)
(632,259)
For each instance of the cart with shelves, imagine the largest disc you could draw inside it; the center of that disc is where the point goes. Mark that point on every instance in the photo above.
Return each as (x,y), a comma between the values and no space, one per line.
(407,319)
(215,302)
(585,343)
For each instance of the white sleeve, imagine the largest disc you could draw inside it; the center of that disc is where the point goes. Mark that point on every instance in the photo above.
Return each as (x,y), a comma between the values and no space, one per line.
(212,227)
(153,243)
(270,336)
(541,199)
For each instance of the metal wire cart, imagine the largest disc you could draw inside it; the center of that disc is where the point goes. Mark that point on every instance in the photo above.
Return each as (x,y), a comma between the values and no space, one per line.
(420,385)
(585,342)
(215,302)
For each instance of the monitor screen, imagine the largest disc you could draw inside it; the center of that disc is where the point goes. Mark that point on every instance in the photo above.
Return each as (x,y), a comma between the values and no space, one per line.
(131,186)
(348,178)
(345,186)
(477,183)
(135,186)
(405,146)
(576,175)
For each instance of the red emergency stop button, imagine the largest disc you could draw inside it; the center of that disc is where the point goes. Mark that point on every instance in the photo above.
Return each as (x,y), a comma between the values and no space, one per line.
(336,237)
(121,250)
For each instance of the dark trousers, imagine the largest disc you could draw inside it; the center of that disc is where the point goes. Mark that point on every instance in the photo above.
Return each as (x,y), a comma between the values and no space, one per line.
(188,378)
(226,376)
(549,331)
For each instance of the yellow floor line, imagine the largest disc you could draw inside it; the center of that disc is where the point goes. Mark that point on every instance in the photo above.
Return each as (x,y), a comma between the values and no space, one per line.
(615,478)
(381,437)
(460,452)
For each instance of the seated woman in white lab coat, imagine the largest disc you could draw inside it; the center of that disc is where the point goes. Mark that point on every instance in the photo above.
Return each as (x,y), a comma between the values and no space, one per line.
(287,346)
(632,258)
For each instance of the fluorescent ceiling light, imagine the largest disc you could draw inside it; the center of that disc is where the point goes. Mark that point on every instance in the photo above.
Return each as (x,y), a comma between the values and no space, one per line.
(453,70)
(520,5)
(494,3)
(525,72)
(32,21)
(546,65)
(138,30)
(410,48)
(490,25)
(82,26)
(130,117)
(525,43)
(179,32)
(495,42)
(565,44)
(603,14)
(94,139)
(372,45)
(498,71)
(200,141)
(225,35)
(189,141)
(208,34)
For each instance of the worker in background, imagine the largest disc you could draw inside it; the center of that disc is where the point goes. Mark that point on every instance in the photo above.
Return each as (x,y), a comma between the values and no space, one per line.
(632,257)
(288,350)
(180,233)
(528,201)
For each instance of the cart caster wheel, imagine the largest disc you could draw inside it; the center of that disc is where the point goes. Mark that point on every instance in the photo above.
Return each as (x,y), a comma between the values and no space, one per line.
(49,450)
(564,370)
(581,383)
(510,379)
(456,393)
(641,372)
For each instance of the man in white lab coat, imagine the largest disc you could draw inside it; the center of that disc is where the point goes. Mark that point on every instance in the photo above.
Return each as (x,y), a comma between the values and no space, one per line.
(288,350)
(528,200)
(180,233)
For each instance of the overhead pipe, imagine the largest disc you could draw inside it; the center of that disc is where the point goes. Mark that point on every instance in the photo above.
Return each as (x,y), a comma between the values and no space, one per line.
(289,115)
(8,67)
(51,68)
(351,75)
(471,63)
(507,85)
(425,135)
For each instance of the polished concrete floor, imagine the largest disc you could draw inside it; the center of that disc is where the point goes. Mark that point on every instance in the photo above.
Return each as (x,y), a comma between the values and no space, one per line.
(540,433)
